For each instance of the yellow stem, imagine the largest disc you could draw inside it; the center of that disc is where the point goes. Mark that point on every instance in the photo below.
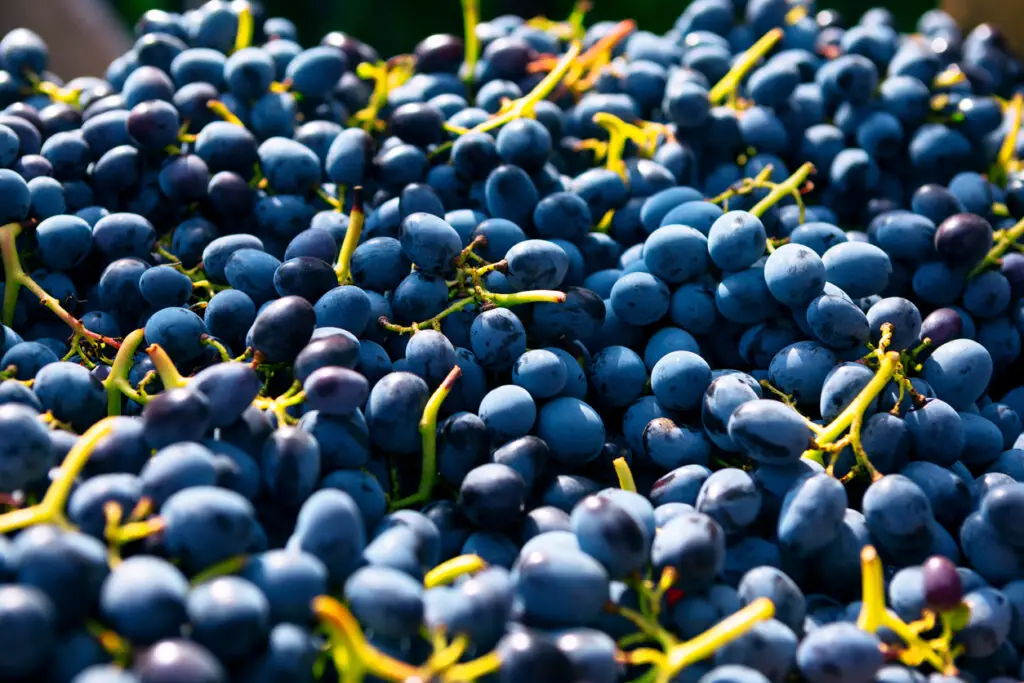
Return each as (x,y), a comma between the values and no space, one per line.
(731,81)
(446,572)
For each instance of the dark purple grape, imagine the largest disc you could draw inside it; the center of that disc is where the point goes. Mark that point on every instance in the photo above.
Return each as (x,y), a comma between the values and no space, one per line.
(963,239)
(943,587)
(439,53)
(941,326)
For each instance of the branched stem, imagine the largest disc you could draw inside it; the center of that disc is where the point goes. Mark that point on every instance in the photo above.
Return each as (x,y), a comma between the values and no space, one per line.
(117,383)
(1005,240)
(16,278)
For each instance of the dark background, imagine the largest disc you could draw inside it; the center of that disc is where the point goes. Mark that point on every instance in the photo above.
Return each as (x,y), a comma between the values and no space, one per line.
(394,26)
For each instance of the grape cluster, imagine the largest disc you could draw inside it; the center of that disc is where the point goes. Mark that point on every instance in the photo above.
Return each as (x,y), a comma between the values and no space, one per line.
(547,354)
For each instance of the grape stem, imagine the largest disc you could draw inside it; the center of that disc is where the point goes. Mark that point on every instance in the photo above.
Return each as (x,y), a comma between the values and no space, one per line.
(15,278)
(874,615)
(470,19)
(117,382)
(624,474)
(449,570)
(165,368)
(852,418)
(790,186)
(719,635)
(50,510)
(353,233)
(354,656)
(524,106)
(480,296)
(742,66)
(243,38)
(1005,240)
(428,438)
(1005,160)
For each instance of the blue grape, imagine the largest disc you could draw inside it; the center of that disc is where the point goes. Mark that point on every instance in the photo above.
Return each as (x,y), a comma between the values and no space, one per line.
(144,599)
(769,431)
(731,498)
(386,600)
(543,580)
(29,626)
(839,647)
(694,544)
(736,240)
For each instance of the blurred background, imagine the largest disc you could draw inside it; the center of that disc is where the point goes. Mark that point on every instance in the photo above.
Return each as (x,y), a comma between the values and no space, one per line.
(409,20)
(84,35)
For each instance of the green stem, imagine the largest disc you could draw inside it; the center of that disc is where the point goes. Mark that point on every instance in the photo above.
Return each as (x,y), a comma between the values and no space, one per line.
(117,380)
(535,296)
(722,633)
(430,322)
(50,510)
(1005,241)
(225,357)
(791,185)
(16,277)
(165,367)
(428,437)
(353,233)
(470,19)
(742,66)
(887,369)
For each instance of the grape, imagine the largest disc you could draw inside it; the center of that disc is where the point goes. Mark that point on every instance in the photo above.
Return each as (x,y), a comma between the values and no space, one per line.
(736,240)
(540,372)
(680,379)
(492,496)
(144,599)
(527,654)
(676,253)
(943,588)
(989,622)
(178,331)
(837,323)
(897,511)
(176,415)
(694,544)
(542,584)
(26,457)
(769,647)
(937,432)
(963,239)
(390,602)
(768,431)
(904,317)
(671,445)
(811,515)
(205,525)
(498,338)
(743,297)
(175,660)
(842,386)
(28,625)
(611,534)
(229,616)
(959,371)
(617,376)
(572,429)
(839,647)
(71,393)
(721,399)
(639,298)
(794,274)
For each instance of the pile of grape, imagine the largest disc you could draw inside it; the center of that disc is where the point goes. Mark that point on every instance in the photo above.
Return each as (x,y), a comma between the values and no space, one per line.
(545,354)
